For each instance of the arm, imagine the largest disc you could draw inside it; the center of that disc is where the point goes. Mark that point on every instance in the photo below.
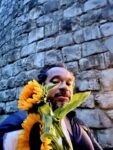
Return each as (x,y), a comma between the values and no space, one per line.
(12,123)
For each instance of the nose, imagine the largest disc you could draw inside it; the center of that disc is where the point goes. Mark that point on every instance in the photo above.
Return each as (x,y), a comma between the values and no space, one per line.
(63,86)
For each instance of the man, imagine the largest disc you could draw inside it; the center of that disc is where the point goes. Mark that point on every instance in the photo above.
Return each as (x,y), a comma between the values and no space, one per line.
(75,131)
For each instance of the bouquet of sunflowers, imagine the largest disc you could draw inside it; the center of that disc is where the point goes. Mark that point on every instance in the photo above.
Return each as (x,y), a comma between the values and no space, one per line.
(33,99)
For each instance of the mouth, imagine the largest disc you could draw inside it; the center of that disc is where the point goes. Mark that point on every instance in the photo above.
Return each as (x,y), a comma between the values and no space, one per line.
(63,97)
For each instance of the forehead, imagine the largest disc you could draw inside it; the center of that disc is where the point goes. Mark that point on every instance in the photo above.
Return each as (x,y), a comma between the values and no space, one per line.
(59,72)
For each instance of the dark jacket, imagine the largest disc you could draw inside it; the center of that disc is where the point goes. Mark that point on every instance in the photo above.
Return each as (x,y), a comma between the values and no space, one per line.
(82,139)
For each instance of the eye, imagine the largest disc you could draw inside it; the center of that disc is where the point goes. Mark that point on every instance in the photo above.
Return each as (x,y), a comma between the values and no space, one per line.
(69,83)
(55,81)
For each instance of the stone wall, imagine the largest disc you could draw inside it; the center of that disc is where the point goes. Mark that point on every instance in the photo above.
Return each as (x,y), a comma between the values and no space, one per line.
(77,32)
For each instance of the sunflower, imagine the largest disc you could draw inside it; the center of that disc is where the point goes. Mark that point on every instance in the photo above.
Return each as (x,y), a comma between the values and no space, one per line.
(23,140)
(31,94)
(46,144)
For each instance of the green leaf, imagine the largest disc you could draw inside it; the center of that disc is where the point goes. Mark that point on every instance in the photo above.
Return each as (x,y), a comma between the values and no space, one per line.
(76,100)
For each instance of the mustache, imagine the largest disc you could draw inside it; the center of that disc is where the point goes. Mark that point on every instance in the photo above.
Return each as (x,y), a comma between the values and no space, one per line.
(64,94)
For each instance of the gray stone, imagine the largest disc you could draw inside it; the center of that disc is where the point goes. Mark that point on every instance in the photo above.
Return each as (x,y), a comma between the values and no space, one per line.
(111,2)
(109,44)
(46,44)
(89,74)
(66,2)
(91,32)
(71,53)
(51,29)
(94,4)
(90,62)
(73,67)
(36,34)
(3,85)
(105,137)
(84,85)
(7,95)
(39,60)
(51,6)
(64,40)
(35,13)
(106,80)
(94,118)
(107,29)
(21,40)
(45,19)
(72,11)
(52,57)
(92,47)
(32,74)
(11,82)
(90,17)
(7,71)
(104,100)
(89,102)
(3,61)
(12,55)
(21,79)
(110,113)
(28,49)
(11,107)
(78,36)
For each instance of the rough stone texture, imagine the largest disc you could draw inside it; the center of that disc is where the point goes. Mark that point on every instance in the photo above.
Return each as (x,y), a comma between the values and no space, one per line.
(106,80)
(94,118)
(107,141)
(76,32)
(104,100)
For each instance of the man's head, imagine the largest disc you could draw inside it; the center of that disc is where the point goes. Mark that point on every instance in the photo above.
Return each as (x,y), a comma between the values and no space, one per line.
(63,79)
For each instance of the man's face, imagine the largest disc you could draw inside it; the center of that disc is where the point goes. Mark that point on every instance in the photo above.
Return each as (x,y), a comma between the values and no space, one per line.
(62,92)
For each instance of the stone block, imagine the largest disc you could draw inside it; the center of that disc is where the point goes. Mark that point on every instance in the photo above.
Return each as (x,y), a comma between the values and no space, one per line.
(78,36)
(104,100)
(39,60)
(91,33)
(7,71)
(32,74)
(44,20)
(90,17)
(21,40)
(66,2)
(107,29)
(3,61)
(89,102)
(35,12)
(36,34)
(109,44)
(90,62)
(84,85)
(94,118)
(89,74)
(71,53)
(45,44)
(51,6)
(106,80)
(73,67)
(64,40)
(52,57)
(94,4)
(92,47)
(105,138)
(7,95)
(51,29)
(110,114)
(73,11)
(11,107)
(3,85)
(111,2)
(28,50)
